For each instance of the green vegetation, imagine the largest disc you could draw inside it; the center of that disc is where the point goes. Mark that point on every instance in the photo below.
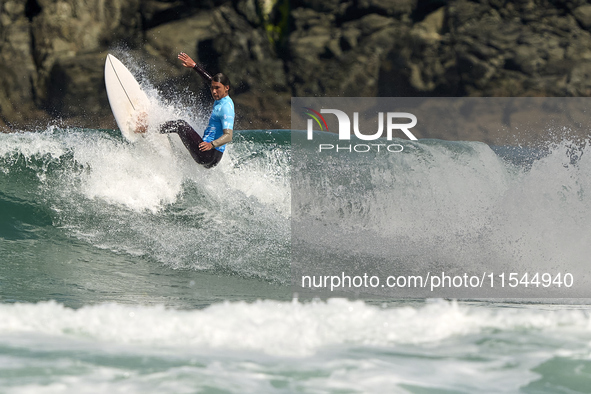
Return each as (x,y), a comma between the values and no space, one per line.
(275,16)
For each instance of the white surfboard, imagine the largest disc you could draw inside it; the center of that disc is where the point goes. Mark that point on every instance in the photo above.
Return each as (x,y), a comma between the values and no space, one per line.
(125,95)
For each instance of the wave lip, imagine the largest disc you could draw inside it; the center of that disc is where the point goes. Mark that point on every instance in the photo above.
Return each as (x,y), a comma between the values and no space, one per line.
(441,206)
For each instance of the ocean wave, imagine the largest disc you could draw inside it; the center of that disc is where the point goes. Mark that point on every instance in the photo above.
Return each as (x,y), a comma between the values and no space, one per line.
(152,199)
(291,329)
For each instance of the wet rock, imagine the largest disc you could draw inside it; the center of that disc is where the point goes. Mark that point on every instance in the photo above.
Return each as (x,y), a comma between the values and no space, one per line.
(17,68)
(331,48)
(389,7)
(78,80)
(583,16)
(338,61)
(64,29)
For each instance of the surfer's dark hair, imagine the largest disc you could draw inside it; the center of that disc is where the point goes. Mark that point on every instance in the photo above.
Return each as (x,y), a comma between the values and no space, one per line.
(221,78)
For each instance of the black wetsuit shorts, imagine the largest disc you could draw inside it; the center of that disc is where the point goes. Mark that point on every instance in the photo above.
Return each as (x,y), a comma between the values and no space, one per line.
(192,140)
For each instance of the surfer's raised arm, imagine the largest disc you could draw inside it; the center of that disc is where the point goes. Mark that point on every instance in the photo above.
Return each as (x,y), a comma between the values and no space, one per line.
(190,63)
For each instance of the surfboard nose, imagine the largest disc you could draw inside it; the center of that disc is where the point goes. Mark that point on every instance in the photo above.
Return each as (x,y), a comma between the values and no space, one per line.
(125,95)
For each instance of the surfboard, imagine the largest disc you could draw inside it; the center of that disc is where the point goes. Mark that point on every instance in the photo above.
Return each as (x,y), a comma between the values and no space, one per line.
(126,97)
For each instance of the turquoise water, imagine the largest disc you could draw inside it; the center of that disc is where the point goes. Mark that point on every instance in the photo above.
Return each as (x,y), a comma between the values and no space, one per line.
(85,211)
(127,268)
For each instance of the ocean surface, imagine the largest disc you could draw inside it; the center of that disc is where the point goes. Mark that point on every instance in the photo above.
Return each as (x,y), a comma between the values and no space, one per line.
(126,268)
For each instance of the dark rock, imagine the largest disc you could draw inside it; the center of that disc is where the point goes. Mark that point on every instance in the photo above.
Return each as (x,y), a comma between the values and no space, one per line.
(578,81)
(156,12)
(64,29)
(78,80)
(525,59)
(349,38)
(17,68)
(248,9)
(349,56)
(388,7)
(583,16)
(333,7)
(183,36)
(246,54)
(372,23)
(331,48)
(484,50)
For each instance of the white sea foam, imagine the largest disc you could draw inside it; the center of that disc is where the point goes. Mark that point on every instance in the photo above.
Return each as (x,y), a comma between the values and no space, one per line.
(451,204)
(31,144)
(291,329)
(132,175)
(148,174)
(274,347)
(266,179)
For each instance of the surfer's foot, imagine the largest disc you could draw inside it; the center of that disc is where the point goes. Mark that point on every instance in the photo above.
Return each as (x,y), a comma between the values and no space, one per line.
(141,124)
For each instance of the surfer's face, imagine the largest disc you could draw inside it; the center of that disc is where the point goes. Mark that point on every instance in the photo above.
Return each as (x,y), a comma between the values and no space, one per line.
(218,90)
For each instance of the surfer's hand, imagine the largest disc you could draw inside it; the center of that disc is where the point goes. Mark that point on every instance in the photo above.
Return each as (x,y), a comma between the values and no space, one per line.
(187,61)
(205,146)
(141,124)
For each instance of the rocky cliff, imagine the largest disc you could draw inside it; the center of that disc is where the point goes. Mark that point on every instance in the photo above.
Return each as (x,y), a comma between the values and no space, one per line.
(52,51)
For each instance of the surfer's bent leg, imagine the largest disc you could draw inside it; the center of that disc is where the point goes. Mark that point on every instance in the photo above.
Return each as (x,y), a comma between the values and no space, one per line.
(191,140)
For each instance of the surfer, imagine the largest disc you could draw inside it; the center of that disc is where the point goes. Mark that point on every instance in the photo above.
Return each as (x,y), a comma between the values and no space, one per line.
(208,150)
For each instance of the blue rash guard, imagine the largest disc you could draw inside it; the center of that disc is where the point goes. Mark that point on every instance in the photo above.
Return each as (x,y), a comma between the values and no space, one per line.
(222,117)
